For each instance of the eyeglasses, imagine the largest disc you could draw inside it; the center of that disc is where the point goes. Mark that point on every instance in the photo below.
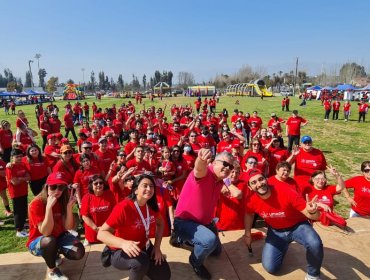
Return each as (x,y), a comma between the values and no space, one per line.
(87,148)
(226,164)
(366,170)
(307,142)
(319,179)
(67,153)
(255,144)
(252,162)
(98,183)
(59,187)
(122,155)
(176,151)
(193,136)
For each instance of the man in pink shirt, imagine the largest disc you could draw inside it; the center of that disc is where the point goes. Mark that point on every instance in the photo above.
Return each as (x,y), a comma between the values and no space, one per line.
(196,206)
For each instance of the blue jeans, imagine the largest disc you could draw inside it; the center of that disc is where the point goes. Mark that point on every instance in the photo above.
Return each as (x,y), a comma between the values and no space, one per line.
(204,239)
(277,243)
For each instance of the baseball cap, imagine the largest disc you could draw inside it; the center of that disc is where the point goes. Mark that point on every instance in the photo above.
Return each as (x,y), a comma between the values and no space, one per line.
(102,139)
(65,148)
(273,115)
(56,178)
(251,173)
(306,138)
(51,136)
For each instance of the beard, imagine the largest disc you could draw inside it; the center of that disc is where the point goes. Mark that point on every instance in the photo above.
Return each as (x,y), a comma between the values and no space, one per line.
(263,190)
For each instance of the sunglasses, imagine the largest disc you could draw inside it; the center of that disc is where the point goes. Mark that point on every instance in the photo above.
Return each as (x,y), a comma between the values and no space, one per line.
(252,162)
(366,170)
(67,153)
(307,142)
(255,144)
(98,183)
(87,148)
(226,164)
(59,187)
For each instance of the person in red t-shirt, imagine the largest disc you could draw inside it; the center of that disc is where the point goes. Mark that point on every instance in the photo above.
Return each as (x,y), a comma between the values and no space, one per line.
(307,159)
(275,154)
(86,110)
(17,177)
(282,179)
(69,125)
(141,166)
(3,187)
(362,110)
(6,139)
(106,155)
(66,164)
(361,184)
(182,171)
(286,214)
(327,108)
(96,206)
(346,110)
(230,209)
(336,107)
(51,216)
(293,129)
(127,232)
(38,168)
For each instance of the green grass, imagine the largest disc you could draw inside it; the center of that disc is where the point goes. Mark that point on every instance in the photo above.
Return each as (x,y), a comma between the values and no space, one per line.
(345,145)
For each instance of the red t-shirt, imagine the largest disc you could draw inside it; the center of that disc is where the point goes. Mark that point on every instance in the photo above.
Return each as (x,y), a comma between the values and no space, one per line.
(307,163)
(281,210)
(36,215)
(173,137)
(164,202)
(230,211)
(126,221)
(67,169)
(141,167)
(346,107)
(37,169)
(129,147)
(17,170)
(226,146)
(361,196)
(325,196)
(6,138)
(294,125)
(68,121)
(3,183)
(257,120)
(119,194)
(82,177)
(98,209)
(48,151)
(106,159)
(206,142)
(288,183)
(260,159)
(276,155)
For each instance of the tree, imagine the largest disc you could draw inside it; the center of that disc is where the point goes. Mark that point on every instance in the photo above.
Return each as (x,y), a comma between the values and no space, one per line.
(169,78)
(151,83)
(349,71)
(101,80)
(13,86)
(42,74)
(8,75)
(91,85)
(28,82)
(157,77)
(185,79)
(120,83)
(144,82)
(51,85)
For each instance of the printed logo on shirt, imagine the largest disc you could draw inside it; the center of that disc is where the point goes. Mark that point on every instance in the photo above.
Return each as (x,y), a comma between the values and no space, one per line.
(324,199)
(365,190)
(273,215)
(99,209)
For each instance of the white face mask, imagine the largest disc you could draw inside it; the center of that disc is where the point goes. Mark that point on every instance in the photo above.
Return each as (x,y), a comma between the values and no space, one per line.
(238,126)
(187,149)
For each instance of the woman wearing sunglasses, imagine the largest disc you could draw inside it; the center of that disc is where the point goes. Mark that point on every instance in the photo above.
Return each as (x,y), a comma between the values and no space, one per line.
(255,149)
(127,229)
(66,164)
(50,217)
(361,186)
(96,207)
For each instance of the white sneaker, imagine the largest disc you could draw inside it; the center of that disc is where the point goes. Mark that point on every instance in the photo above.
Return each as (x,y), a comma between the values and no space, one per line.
(86,242)
(309,277)
(56,274)
(21,234)
(73,232)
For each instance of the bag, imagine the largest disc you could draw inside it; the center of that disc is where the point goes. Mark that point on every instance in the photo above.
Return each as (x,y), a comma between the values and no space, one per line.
(332,219)
(106,256)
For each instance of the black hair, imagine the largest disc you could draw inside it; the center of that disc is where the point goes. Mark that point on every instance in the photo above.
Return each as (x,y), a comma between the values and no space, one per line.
(29,157)
(91,181)
(152,202)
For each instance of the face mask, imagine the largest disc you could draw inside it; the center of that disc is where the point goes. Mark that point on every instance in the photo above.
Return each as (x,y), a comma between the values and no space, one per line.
(224,128)
(187,149)
(158,142)
(150,136)
(238,126)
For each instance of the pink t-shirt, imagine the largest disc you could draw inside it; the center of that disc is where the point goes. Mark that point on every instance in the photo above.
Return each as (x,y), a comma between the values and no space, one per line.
(198,198)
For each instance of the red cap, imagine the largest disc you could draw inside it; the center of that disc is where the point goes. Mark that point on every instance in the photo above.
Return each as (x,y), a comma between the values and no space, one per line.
(56,178)
(64,140)
(50,136)
(251,173)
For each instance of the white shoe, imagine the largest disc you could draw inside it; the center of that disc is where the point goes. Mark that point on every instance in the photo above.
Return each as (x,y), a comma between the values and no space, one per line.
(73,232)
(56,274)
(309,277)
(86,242)
(21,234)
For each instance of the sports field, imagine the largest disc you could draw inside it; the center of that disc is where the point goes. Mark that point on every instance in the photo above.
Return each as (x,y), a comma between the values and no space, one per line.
(345,144)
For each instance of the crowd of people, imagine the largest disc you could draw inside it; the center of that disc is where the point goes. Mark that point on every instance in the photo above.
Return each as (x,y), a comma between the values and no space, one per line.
(137,174)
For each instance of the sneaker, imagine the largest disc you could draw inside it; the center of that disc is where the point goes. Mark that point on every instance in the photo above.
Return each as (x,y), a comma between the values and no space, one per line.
(200,271)
(175,241)
(309,277)
(86,242)
(56,274)
(58,261)
(21,234)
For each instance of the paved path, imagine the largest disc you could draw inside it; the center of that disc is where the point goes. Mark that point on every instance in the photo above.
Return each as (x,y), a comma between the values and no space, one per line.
(347,257)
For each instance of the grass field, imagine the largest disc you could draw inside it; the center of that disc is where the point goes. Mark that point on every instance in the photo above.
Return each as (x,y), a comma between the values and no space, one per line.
(345,144)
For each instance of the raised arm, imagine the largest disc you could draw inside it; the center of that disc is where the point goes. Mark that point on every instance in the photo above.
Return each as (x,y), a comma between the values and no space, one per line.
(201,163)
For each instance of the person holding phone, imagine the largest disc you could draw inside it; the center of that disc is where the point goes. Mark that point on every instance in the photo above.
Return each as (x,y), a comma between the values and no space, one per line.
(50,217)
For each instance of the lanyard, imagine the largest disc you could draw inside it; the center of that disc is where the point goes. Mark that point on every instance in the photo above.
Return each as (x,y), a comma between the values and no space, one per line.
(146,222)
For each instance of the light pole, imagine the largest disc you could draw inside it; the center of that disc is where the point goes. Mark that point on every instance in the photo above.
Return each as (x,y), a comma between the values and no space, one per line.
(29,65)
(83,77)
(37,56)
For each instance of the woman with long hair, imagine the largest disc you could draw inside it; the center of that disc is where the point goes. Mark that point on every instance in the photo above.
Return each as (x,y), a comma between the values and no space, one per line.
(255,149)
(50,217)
(38,168)
(127,229)
(66,164)
(181,171)
(6,139)
(96,207)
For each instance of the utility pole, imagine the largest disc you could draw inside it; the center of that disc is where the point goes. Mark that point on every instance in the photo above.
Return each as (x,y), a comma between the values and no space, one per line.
(83,77)
(37,56)
(29,65)
(295,76)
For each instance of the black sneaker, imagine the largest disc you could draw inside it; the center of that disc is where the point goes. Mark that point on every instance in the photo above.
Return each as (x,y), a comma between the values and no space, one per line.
(175,241)
(201,271)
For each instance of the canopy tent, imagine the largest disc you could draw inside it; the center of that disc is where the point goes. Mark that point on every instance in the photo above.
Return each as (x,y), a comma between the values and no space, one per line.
(364,88)
(345,87)
(327,88)
(314,88)
(6,93)
(32,92)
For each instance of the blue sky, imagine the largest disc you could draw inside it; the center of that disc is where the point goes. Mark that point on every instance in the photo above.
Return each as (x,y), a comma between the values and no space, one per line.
(200,36)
